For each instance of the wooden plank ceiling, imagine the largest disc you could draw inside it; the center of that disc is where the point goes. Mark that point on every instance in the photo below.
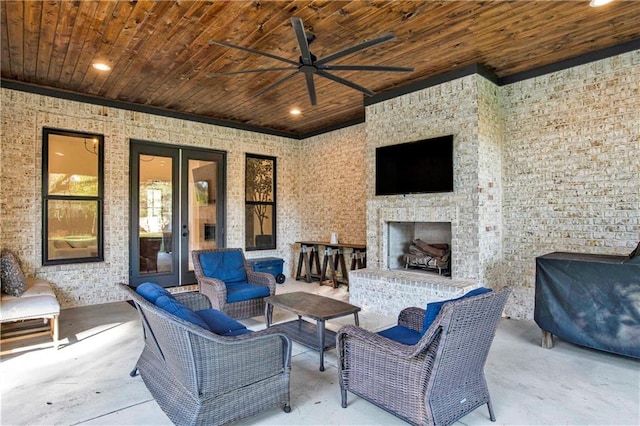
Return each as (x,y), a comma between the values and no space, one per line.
(161,57)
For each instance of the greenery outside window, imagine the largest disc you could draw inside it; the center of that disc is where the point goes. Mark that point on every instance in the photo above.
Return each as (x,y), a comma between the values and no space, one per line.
(260,202)
(72,197)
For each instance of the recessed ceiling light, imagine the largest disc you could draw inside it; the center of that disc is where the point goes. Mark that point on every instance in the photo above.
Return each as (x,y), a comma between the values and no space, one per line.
(295,111)
(101,66)
(596,3)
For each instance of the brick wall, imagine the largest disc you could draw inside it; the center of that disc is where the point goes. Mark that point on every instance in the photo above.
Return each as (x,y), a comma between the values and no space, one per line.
(332,178)
(571,167)
(23,117)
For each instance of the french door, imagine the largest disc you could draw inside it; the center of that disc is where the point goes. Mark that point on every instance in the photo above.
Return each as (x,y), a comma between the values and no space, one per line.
(177,205)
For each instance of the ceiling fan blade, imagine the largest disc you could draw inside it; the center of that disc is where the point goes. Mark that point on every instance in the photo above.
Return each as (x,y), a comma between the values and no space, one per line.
(257,52)
(305,54)
(345,82)
(311,87)
(356,48)
(364,68)
(277,83)
(218,74)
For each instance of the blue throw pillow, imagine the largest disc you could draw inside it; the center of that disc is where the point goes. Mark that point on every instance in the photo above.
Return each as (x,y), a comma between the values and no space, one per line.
(151,291)
(219,322)
(401,334)
(433,308)
(227,266)
(176,308)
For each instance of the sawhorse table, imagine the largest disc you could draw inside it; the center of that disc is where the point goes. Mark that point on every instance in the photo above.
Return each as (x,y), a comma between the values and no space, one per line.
(333,260)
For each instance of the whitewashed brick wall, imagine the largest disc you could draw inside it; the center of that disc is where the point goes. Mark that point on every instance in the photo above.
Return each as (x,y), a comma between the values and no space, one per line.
(23,117)
(571,167)
(332,178)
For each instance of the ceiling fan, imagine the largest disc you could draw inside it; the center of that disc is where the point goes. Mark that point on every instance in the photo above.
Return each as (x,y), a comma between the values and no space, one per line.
(309,65)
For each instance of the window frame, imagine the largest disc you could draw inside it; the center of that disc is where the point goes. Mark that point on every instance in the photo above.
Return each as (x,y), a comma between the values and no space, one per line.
(272,204)
(46,197)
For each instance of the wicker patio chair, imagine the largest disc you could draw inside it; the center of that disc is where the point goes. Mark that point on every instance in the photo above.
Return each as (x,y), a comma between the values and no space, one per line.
(200,378)
(434,382)
(218,290)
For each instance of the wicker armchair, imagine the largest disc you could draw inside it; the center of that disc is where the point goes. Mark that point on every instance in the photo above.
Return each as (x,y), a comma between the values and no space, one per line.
(217,290)
(436,381)
(200,378)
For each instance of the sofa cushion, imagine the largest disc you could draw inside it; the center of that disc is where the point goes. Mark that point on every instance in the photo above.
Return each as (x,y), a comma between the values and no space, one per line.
(176,308)
(38,301)
(151,291)
(218,322)
(239,292)
(433,308)
(227,266)
(238,332)
(401,334)
(13,280)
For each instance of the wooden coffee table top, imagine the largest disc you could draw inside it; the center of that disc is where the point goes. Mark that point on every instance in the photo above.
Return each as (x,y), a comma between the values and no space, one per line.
(312,305)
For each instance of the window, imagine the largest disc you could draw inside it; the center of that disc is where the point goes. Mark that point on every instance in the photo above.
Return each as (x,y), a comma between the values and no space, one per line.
(72,197)
(260,202)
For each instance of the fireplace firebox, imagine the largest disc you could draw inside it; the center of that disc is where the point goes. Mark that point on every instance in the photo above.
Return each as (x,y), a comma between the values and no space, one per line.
(421,246)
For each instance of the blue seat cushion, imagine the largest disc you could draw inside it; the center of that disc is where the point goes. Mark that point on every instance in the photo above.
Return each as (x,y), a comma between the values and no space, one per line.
(401,334)
(176,308)
(151,291)
(433,308)
(227,266)
(219,322)
(238,332)
(239,292)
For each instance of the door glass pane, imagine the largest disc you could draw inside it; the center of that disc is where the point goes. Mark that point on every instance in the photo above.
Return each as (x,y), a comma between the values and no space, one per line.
(156,235)
(202,205)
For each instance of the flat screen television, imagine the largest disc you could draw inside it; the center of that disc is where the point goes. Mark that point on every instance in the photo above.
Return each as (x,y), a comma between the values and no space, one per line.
(423,166)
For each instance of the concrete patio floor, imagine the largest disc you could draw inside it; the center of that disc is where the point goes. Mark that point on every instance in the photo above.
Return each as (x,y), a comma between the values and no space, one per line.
(87,382)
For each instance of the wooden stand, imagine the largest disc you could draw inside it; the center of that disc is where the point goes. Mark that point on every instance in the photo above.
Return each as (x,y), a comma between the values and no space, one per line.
(333,260)
(547,340)
(28,329)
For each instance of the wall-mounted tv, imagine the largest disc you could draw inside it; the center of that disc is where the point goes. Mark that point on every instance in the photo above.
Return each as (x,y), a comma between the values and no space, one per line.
(418,167)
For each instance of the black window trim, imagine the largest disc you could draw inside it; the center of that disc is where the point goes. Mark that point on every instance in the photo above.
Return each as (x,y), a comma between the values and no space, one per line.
(273,203)
(46,131)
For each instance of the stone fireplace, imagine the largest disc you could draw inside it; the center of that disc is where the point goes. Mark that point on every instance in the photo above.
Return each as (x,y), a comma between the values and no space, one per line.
(469,109)
(386,286)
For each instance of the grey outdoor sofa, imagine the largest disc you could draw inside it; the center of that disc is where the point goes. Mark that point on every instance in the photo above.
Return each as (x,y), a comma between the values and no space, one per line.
(200,378)
(434,382)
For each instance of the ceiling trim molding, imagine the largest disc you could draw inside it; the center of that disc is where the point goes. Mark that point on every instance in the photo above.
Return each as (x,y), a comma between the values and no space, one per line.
(433,81)
(95,100)
(572,62)
(334,127)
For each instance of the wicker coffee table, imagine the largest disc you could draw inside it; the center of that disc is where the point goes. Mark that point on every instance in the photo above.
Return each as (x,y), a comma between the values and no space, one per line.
(312,306)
